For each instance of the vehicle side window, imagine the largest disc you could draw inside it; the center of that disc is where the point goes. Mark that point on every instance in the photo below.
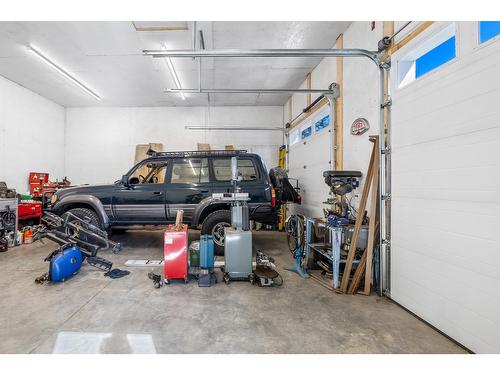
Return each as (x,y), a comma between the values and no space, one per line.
(149,173)
(190,171)
(222,169)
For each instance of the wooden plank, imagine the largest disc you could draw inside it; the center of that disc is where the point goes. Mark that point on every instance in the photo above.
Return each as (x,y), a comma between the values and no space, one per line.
(339,110)
(410,36)
(316,275)
(309,83)
(373,219)
(357,226)
(356,279)
(290,109)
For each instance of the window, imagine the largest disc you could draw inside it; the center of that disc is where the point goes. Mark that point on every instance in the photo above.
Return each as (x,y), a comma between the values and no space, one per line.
(222,169)
(190,171)
(488,30)
(149,173)
(435,57)
(322,123)
(428,56)
(305,131)
(294,137)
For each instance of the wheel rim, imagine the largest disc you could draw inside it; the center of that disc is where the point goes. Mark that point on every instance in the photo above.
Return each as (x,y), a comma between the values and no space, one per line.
(218,233)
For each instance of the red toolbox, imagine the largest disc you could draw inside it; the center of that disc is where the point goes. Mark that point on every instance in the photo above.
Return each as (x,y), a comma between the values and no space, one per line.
(175,251)
(36,181)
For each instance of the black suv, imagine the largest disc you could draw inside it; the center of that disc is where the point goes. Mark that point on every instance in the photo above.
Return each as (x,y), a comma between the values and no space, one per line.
(156,188)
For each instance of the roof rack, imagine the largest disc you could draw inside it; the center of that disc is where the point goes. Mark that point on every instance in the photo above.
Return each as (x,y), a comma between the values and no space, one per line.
(186,154)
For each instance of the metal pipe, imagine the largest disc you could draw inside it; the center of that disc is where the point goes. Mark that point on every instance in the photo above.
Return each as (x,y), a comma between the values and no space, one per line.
(388,184)
(249,91)
(384,184)
(342,52)
(257,128)
(333,138)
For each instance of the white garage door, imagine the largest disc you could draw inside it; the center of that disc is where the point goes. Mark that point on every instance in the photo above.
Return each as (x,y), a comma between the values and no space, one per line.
(445,253)
(308,159)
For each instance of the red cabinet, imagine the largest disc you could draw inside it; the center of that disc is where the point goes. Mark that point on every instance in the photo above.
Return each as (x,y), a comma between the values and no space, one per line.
(175,252)
(31,210)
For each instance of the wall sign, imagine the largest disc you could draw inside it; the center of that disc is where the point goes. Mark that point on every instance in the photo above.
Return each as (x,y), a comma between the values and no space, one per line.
(360,126)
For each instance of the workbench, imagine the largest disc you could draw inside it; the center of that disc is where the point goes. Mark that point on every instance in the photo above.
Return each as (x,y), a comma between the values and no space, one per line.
(330,248)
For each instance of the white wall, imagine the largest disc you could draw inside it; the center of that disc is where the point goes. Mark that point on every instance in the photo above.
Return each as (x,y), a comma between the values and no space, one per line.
(361,99)
(100,142)
(31,135)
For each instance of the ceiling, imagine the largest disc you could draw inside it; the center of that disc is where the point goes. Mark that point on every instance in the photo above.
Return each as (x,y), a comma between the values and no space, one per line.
(107,57)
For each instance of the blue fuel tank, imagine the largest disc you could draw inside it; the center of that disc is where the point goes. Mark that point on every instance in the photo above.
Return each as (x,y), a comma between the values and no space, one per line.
(65,263)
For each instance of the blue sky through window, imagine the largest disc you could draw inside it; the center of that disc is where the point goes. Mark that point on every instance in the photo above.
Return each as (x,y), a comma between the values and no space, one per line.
(435,57)
(488,30)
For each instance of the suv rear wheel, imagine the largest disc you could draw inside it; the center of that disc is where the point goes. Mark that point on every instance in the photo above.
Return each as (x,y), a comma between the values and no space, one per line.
(84,214)
(214,224)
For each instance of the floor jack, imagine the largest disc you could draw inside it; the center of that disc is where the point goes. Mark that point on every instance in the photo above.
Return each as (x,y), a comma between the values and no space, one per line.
(79,240)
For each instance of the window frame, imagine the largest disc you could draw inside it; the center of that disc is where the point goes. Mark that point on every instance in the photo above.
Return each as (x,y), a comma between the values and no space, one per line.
(213,179)
(143,163)
(320,117)
(308,124)
(413,49)
(171,173)
(296,130)
(492,40)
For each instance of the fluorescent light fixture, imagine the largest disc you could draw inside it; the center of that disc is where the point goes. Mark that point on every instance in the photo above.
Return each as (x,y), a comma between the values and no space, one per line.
(174,74)
(63,72)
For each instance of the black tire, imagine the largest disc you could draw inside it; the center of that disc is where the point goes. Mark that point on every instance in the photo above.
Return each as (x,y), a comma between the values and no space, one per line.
(85,214)
(213,225)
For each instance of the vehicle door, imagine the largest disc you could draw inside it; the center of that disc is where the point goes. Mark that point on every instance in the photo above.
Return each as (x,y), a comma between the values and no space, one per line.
(187,185)
(142,199)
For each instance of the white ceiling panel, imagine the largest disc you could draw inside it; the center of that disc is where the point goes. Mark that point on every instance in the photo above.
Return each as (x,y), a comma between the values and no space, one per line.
(107,57)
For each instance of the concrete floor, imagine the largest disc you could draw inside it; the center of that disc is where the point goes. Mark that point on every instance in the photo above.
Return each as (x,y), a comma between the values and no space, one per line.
(90,313)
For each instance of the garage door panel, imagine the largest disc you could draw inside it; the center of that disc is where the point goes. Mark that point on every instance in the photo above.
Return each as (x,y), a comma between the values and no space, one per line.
(453,279)
(459,179)
(445,245)
(437,218)
(461,250)
(450,96)
(479,333)
(431,193)
(465,151)
(462,118)
(463,70)
(306,159)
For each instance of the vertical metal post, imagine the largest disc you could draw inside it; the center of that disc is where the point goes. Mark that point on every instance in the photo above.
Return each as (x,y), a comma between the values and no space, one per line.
(333,128)
(384,182)
(388,186)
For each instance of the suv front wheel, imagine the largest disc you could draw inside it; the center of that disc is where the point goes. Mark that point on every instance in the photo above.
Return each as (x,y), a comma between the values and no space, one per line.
(214,225)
